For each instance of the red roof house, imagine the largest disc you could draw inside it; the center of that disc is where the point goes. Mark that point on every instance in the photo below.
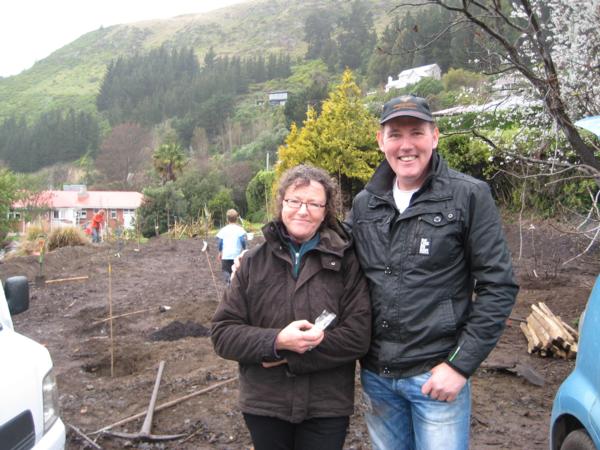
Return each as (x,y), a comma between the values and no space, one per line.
(76,207)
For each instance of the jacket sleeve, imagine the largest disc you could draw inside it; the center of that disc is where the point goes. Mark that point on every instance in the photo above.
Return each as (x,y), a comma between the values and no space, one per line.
(495,289)
(349,339)
(232,336)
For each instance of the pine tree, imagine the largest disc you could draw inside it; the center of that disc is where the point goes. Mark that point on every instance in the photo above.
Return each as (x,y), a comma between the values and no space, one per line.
(341,140)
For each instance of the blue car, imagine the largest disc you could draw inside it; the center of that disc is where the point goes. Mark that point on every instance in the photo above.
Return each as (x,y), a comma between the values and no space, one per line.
(576,411)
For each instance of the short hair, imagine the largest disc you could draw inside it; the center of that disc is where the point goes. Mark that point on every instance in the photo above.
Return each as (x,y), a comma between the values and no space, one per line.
(302,175)
(232,215)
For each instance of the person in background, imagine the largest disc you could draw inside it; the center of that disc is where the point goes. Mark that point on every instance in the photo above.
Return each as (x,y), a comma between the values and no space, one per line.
(427,238)
(297,374)
(231,240)
(96,225)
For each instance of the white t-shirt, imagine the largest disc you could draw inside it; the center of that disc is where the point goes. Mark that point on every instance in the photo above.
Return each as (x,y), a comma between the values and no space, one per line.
(402,198)
(232,236)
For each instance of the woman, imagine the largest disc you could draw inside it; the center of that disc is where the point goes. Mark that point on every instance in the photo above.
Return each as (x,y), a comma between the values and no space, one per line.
(296,380)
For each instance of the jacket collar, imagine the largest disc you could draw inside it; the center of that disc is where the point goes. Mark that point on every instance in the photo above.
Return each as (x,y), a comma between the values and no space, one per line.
(333,240)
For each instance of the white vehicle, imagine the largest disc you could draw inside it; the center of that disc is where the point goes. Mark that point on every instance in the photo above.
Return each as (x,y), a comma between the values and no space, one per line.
(28,395)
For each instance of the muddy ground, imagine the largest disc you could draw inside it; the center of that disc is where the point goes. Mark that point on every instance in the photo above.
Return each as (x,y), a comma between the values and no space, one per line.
(165,294)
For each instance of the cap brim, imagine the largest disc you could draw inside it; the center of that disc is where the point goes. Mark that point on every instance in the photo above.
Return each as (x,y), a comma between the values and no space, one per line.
(417,114)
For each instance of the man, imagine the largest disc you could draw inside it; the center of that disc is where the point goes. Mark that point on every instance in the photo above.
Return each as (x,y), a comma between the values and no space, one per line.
(231,240)
(97,222)
(427,237)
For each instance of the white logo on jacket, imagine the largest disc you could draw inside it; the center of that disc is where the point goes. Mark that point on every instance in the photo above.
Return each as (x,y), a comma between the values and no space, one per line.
(424,247)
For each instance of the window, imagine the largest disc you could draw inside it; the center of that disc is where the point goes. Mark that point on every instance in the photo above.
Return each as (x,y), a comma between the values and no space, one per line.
(55,214)
(83,214)
(113,213)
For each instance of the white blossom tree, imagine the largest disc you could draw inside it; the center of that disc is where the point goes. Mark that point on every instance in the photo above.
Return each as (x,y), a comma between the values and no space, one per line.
(553,43)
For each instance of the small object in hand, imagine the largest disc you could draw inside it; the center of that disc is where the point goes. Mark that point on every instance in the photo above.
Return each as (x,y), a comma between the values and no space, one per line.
(324,319)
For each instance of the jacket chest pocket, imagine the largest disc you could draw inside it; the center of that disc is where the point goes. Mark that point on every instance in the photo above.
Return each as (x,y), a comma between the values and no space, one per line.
(372,238)
(438,238)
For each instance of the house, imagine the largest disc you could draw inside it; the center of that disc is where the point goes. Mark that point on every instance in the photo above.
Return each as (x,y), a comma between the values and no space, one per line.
(75,206)
(278,98)
(414,75)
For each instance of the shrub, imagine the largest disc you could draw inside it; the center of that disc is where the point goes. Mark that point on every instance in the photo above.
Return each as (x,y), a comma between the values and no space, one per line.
(467,155)
(34,232)
(66,237)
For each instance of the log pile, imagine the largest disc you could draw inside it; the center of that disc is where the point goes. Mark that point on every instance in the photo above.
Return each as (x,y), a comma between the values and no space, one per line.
(548,335)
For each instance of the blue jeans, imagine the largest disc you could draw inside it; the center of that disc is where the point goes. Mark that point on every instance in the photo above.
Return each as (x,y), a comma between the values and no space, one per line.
(95,235)
(400,417)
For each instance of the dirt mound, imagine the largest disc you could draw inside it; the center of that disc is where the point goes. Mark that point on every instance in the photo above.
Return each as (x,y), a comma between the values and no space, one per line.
(106,369)
(178,330)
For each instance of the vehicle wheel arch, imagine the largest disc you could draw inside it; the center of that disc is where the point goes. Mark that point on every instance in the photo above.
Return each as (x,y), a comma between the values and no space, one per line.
(564,425)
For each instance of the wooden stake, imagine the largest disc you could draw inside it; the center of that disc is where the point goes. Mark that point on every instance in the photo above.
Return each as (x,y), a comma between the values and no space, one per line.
(110,315)
(540,332)
(121,315)
(61,280)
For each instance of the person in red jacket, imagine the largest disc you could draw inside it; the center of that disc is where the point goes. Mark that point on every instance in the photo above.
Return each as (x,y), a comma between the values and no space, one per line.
(97,222)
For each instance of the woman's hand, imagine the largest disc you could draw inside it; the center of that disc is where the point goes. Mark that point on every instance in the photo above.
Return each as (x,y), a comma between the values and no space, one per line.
(299,336)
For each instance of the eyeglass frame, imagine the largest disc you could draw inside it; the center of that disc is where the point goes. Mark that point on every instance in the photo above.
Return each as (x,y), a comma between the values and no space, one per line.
(310,206)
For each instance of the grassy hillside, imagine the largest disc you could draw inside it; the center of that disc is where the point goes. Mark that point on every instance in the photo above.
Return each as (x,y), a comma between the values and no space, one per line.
(71,76)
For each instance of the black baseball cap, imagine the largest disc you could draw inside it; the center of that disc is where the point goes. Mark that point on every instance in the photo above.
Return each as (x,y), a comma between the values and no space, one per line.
(406,106)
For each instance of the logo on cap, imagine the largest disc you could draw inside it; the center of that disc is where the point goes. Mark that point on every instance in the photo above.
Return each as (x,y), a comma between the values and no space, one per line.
(406,105)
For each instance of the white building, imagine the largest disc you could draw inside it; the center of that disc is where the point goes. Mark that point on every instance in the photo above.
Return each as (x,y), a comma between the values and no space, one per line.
(278,98)
(414,75)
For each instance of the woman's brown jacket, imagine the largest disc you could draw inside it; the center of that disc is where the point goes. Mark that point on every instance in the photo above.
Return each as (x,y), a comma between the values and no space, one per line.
(264,298)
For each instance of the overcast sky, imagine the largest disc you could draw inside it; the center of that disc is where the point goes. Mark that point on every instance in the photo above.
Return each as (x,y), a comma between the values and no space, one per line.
(32,29)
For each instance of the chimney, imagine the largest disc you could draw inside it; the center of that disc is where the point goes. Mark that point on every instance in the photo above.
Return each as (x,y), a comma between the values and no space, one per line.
(82,193)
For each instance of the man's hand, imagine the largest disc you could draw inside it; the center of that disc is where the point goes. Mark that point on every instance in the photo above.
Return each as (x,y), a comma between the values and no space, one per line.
(445,383)
(299,336)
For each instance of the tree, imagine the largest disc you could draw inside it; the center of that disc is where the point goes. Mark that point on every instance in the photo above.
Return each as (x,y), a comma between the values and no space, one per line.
(318,29)
(557,52)
(169,160)
(160,207)
(123,151)
(8,195)
(258,195)
(341,140)
(297,104)
(219,204)
(357,37)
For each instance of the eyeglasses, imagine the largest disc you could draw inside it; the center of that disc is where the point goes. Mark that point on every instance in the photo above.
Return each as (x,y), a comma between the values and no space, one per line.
(297,204)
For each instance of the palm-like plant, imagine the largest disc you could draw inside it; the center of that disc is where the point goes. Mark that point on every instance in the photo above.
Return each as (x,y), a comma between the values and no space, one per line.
(169,160)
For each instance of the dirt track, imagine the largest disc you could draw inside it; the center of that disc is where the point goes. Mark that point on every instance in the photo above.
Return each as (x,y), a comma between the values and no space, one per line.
(508,411)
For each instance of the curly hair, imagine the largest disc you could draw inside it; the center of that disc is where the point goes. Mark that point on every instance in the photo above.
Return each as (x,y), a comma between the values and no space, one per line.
(302,175)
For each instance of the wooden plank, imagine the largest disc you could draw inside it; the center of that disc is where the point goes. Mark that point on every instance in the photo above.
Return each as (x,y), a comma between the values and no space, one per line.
(62,280)
(559,322)
(540,332)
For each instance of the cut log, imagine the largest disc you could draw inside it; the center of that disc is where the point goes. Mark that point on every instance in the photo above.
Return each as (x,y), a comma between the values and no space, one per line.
(547,334)
(565,333)
(539,331)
